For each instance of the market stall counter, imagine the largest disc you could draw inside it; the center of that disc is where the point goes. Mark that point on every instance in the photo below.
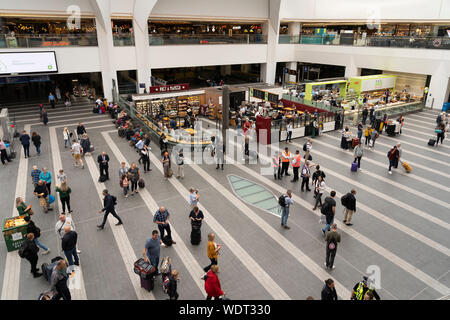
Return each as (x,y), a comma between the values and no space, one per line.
(15,232)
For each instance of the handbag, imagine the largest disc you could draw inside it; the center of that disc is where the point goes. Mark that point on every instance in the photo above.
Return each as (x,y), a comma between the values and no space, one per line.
(170,173)
(91,148)
(51,199)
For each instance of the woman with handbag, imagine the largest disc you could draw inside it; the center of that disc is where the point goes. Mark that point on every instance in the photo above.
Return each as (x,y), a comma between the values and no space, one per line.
(166,165)
(134,176)
(67,137)
(22,208)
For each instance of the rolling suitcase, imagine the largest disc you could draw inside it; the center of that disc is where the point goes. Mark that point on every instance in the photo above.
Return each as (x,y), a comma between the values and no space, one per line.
(354,167)
(355,142)
(406,166)
(196,235)
(167,240)
(432,142)
(141,183)
(102,178)
(147,284)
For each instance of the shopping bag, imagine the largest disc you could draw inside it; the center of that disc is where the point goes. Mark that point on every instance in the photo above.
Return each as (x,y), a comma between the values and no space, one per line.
(323,219)
(51,199)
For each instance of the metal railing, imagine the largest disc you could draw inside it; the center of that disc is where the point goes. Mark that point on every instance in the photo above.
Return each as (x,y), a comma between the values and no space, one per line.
(391,111)
(48,40)
(369,41)
(171,39)
(123,39)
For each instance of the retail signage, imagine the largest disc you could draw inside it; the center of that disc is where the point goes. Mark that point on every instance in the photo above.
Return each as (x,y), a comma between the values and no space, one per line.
(56,44)
(264,95)
(28,62)
(377,83)
(169,88)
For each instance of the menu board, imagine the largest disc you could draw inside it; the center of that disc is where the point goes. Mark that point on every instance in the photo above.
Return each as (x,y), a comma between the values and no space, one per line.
(272,97)
(28,62)
(259,94)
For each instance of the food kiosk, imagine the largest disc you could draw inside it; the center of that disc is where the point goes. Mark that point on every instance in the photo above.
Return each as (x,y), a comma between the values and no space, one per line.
(374,86)
(15,232)
(329,86)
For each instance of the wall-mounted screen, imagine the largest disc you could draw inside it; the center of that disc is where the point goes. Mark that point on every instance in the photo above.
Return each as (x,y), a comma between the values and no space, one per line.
(28,62)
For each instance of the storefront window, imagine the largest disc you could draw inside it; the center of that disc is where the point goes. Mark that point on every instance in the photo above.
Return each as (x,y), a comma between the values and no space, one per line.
(122,32)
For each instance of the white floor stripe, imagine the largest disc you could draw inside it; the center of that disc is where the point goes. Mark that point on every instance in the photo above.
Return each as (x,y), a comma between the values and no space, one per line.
(253,267)
(417,273)
(425,119)
(76,284)
(431,135)
(83,122)
(58,117)
(193,267)
(50,123)
(123,243)
(423,124)
(35,113)
(11,276)
(410,175)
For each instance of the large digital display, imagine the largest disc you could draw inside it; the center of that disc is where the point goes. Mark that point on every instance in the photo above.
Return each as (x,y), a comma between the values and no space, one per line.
(28,62)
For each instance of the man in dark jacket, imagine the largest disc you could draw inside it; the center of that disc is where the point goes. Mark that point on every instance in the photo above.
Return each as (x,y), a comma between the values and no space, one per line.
(58,281)
(69,245)
(350,207)
(365,112)
(103,160)
(329,291)
(30,253)
(41,192)
(316,175)
(32,228)
(109,202)
(328,209)
(80,130)
(332,238)
(25,141)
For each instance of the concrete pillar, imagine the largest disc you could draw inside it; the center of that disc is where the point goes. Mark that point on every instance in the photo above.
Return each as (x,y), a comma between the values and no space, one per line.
(351,70)
(439,89)
(294,31)
(271,29)
(291,66)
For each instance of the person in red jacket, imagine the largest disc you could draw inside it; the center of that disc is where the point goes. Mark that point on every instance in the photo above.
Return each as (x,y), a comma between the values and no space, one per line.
(212,284)
(393,156)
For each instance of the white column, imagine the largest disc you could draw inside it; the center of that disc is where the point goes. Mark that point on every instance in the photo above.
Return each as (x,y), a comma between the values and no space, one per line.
(439,90)
(294,31)
(271,29)
(351,70)
(292,66)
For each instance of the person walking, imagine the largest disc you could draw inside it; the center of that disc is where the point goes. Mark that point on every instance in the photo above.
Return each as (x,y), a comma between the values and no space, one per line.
(399,148)
(212,284)
(145,156)
(103,162)
(85,145)
(51,100)
(180,164)
(35,173)
(440,133)
(109,202)
(58,281)
(318,191)
(166,164)
(69,245)
(316,175)
(329,291)
(365,112)
(374,136)
(36,231)
(172,287)
(393,156)
(124,183)
(345,135)
(220,152)
(161,218)
(3,153)
(67,138)
(285,161)
(25,141)
(367,134)
(329,209)
(22,208)
(358,153)
(44,116)
(308,147)
(64,195)
(193,197)
(285,201)
(133,176)
(76,152)
(306,172)
(331,238)
(360,131)
(401,121)
(289,130)
(30,251)
(296,160)
(152,249)
(196,217)
(276,164)
(41,192)
(46,176)
(36,138)
(212,251)
(349,203)
(80,130)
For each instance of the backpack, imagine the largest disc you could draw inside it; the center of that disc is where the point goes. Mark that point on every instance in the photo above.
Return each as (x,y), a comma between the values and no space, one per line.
(332,244)
(304,147)
(114,199)
(324,209)
(37,232)
(23,250)
(166,282)
(282,200)
(344,200)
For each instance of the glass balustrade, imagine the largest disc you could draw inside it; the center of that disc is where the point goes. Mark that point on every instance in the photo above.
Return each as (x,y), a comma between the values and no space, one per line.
(47,40)
(188,39)
(370,41)
(123,39)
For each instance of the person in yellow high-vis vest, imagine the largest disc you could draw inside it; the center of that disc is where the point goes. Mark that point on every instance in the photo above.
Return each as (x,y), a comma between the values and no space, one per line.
(285,161)
(296,159)
(361,289)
